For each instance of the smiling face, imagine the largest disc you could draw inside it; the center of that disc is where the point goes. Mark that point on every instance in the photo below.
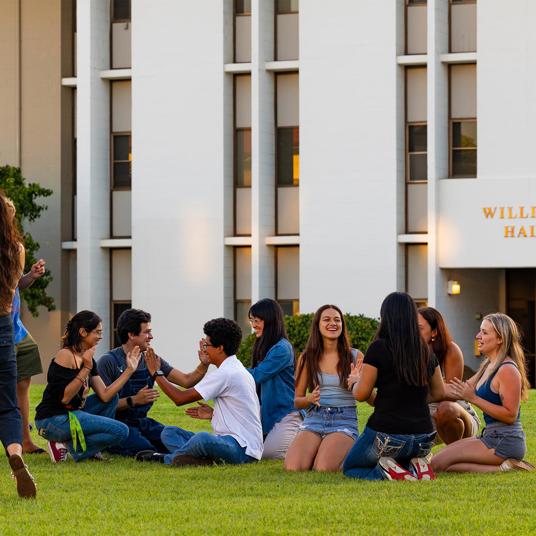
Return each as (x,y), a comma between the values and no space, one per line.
(330,324)
(91,338)
(427,333)
(488,339)
(143,338)
(258,325)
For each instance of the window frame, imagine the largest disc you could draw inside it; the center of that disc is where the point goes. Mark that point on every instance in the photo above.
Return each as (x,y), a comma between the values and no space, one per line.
(113,20)
(113,135)
(452,148)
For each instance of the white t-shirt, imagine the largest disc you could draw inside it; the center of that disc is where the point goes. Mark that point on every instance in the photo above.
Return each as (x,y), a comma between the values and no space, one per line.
(236,405)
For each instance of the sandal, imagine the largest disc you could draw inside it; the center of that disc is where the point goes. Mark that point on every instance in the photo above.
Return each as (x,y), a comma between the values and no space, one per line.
(25,481)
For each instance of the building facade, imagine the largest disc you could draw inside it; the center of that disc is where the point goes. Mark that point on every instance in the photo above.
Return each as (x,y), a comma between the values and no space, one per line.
(208,154)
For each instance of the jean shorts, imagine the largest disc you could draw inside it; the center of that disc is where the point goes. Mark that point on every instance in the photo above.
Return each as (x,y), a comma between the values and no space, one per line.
(326,420)
(507,440)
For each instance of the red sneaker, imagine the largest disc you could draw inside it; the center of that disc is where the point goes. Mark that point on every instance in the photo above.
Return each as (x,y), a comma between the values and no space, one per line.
(393,471)
(422,469)
(57,451)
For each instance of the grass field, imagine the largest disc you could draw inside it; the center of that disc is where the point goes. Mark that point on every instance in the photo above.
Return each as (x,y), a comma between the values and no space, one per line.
(124,497)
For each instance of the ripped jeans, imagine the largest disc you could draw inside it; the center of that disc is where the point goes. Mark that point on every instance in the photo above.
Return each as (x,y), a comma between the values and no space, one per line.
(362,460)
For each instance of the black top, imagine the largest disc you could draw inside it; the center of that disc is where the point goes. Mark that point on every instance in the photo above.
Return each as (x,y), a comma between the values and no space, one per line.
(399,408)
(58,378)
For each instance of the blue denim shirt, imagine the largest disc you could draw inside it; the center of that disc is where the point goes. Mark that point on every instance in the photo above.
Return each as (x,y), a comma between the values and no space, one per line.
(275,377)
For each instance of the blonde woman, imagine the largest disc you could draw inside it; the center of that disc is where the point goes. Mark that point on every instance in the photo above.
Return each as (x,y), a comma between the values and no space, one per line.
(497,389)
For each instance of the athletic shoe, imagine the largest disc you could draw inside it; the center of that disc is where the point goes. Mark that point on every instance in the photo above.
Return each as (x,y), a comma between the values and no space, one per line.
(393,471)
(58,451)
(150,456)
(422,469)
(513,465)
(25,481)
(185,459)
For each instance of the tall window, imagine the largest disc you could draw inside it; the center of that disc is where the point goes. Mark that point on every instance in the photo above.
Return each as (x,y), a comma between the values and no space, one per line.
(416,27)
(417,273)
(287,260)
(462,32)
(242,287)
(242,31)
(463,121)
(121,287)
(121,34)
(287,30)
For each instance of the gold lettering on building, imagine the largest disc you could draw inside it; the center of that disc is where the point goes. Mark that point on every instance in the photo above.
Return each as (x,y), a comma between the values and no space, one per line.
(520,212)
(509,231)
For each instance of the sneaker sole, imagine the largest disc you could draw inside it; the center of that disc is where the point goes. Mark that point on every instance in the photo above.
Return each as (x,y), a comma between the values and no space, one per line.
(185,459)
(25,483)
(388,464)
(423,469)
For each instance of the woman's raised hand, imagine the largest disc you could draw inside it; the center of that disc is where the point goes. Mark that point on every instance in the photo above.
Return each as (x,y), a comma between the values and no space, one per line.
(133,358)
(461,390)
(355,374)
(87,357)
(314,396)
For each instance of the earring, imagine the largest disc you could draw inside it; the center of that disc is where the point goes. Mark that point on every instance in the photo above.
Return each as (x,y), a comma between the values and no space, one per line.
(433,339)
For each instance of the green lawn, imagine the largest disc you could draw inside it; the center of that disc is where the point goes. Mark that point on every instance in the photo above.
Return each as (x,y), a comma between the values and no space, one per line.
(122,496)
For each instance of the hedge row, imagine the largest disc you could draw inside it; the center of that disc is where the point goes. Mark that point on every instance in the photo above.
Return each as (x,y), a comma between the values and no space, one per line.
(361,330)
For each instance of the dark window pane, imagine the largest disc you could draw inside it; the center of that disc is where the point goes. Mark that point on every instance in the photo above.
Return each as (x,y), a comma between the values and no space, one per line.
(290,307)
(288,6)
(288,156)
(243,7)
(418,167)
(243,158)
(464,163)
(117,309)
(121,10)
(417,138)
(242,308)
(121,148)
(414,2)
(464,134)
(122,175)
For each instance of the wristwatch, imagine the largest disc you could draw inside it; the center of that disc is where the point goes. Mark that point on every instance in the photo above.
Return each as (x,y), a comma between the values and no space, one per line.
(158,373)
(130,402)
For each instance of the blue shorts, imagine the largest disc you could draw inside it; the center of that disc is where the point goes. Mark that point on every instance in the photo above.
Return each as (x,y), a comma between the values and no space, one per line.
(325,420)
(507,440)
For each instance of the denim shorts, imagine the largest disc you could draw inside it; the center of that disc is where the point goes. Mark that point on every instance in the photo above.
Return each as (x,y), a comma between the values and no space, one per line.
(325,420)
(507,440)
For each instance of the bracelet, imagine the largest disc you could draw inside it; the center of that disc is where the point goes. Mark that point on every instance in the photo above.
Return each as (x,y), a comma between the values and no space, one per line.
(80,380)
(88,368)
(201,370)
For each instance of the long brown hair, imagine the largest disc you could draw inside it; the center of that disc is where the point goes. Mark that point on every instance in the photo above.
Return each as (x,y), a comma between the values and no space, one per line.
(314,348)
(10,247)
(441,342)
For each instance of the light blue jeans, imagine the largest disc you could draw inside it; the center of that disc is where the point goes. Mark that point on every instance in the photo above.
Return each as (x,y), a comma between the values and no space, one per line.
(362,460)
(219,448)
(100,428)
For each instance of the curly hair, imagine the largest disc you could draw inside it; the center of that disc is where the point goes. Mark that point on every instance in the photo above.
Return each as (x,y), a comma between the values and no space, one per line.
(10,249)
(224,332)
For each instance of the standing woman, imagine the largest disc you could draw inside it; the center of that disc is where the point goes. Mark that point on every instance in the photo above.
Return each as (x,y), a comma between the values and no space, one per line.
(453,420)
(68,420)
(272,369)
(399,433)
(11,266)
(330,426)
(497,389)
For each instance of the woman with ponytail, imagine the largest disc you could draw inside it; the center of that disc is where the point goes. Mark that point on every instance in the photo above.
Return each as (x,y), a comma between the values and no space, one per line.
(497,389)
(67,418)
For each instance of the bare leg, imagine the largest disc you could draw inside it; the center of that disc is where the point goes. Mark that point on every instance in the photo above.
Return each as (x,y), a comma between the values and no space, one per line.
(473,468)
(14,448)
(302,451)
(469,454)
(452,422)
(332,452)
(23,399)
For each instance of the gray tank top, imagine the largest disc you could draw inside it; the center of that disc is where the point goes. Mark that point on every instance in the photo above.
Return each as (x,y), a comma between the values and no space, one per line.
(332,394)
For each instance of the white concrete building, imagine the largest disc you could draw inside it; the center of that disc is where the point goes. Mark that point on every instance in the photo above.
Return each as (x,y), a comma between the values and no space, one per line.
(232,150)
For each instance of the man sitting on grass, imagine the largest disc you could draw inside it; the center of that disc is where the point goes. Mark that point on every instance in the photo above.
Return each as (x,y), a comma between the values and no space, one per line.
(237,436)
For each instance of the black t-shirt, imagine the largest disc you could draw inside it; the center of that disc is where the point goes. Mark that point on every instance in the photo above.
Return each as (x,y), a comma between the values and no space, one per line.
(58,378)
(399,408)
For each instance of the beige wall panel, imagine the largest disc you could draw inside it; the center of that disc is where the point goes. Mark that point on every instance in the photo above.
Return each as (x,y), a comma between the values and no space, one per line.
(417,271)
(121,274)
(417,29)
(463,91)
(463,28)
(288,273)
(243,39)
(243,273)
(288,100)
(288,37)
(417,208)
(288,210)
(122,213)
(243,101)
(9,87)
(416,93)
(121,45)
(243,211)
(122,106)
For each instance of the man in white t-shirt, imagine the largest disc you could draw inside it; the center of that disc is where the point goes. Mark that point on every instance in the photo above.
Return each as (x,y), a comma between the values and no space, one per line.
(236,421)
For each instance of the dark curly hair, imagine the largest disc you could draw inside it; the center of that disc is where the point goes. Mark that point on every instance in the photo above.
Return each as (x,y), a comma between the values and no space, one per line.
(224,332)
(87,320)
(130,321)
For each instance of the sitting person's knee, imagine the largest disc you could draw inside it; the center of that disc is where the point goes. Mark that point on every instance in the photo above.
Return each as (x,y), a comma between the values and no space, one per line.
(446,412)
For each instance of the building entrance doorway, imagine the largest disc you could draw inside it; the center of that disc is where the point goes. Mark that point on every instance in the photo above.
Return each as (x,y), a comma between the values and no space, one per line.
(521,306)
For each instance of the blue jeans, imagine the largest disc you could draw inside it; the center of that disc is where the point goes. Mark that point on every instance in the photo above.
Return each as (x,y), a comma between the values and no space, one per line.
(143,434)
(220,448)
(10,419)
(362,460)
(100,428)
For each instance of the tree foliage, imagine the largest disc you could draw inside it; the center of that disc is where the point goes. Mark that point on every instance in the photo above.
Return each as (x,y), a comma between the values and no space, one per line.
(25,197)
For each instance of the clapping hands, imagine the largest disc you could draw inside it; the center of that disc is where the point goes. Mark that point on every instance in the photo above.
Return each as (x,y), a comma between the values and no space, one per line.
(202,411)
(133,358)
(152,361)
(461,390)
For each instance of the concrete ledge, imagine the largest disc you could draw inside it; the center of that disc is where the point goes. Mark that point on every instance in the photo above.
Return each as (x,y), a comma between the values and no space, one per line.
(116,243)
(237,241)
(417,238)
(116,74)
(291,240)
(458,57)
(282,66)
(237,68)
(412,59)
(69,82)
(69,245)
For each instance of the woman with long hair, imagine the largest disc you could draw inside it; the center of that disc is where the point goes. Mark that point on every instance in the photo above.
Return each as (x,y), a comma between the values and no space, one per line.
(398,364)
(497,389)
(11,267)
(272,368)
(67,418)
(330,426)
(453,420)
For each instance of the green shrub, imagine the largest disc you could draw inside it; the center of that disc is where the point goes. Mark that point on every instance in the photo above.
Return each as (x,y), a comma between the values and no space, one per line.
(361,330)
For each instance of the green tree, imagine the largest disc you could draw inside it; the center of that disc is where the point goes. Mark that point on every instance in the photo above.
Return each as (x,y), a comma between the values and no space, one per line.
(24,195)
